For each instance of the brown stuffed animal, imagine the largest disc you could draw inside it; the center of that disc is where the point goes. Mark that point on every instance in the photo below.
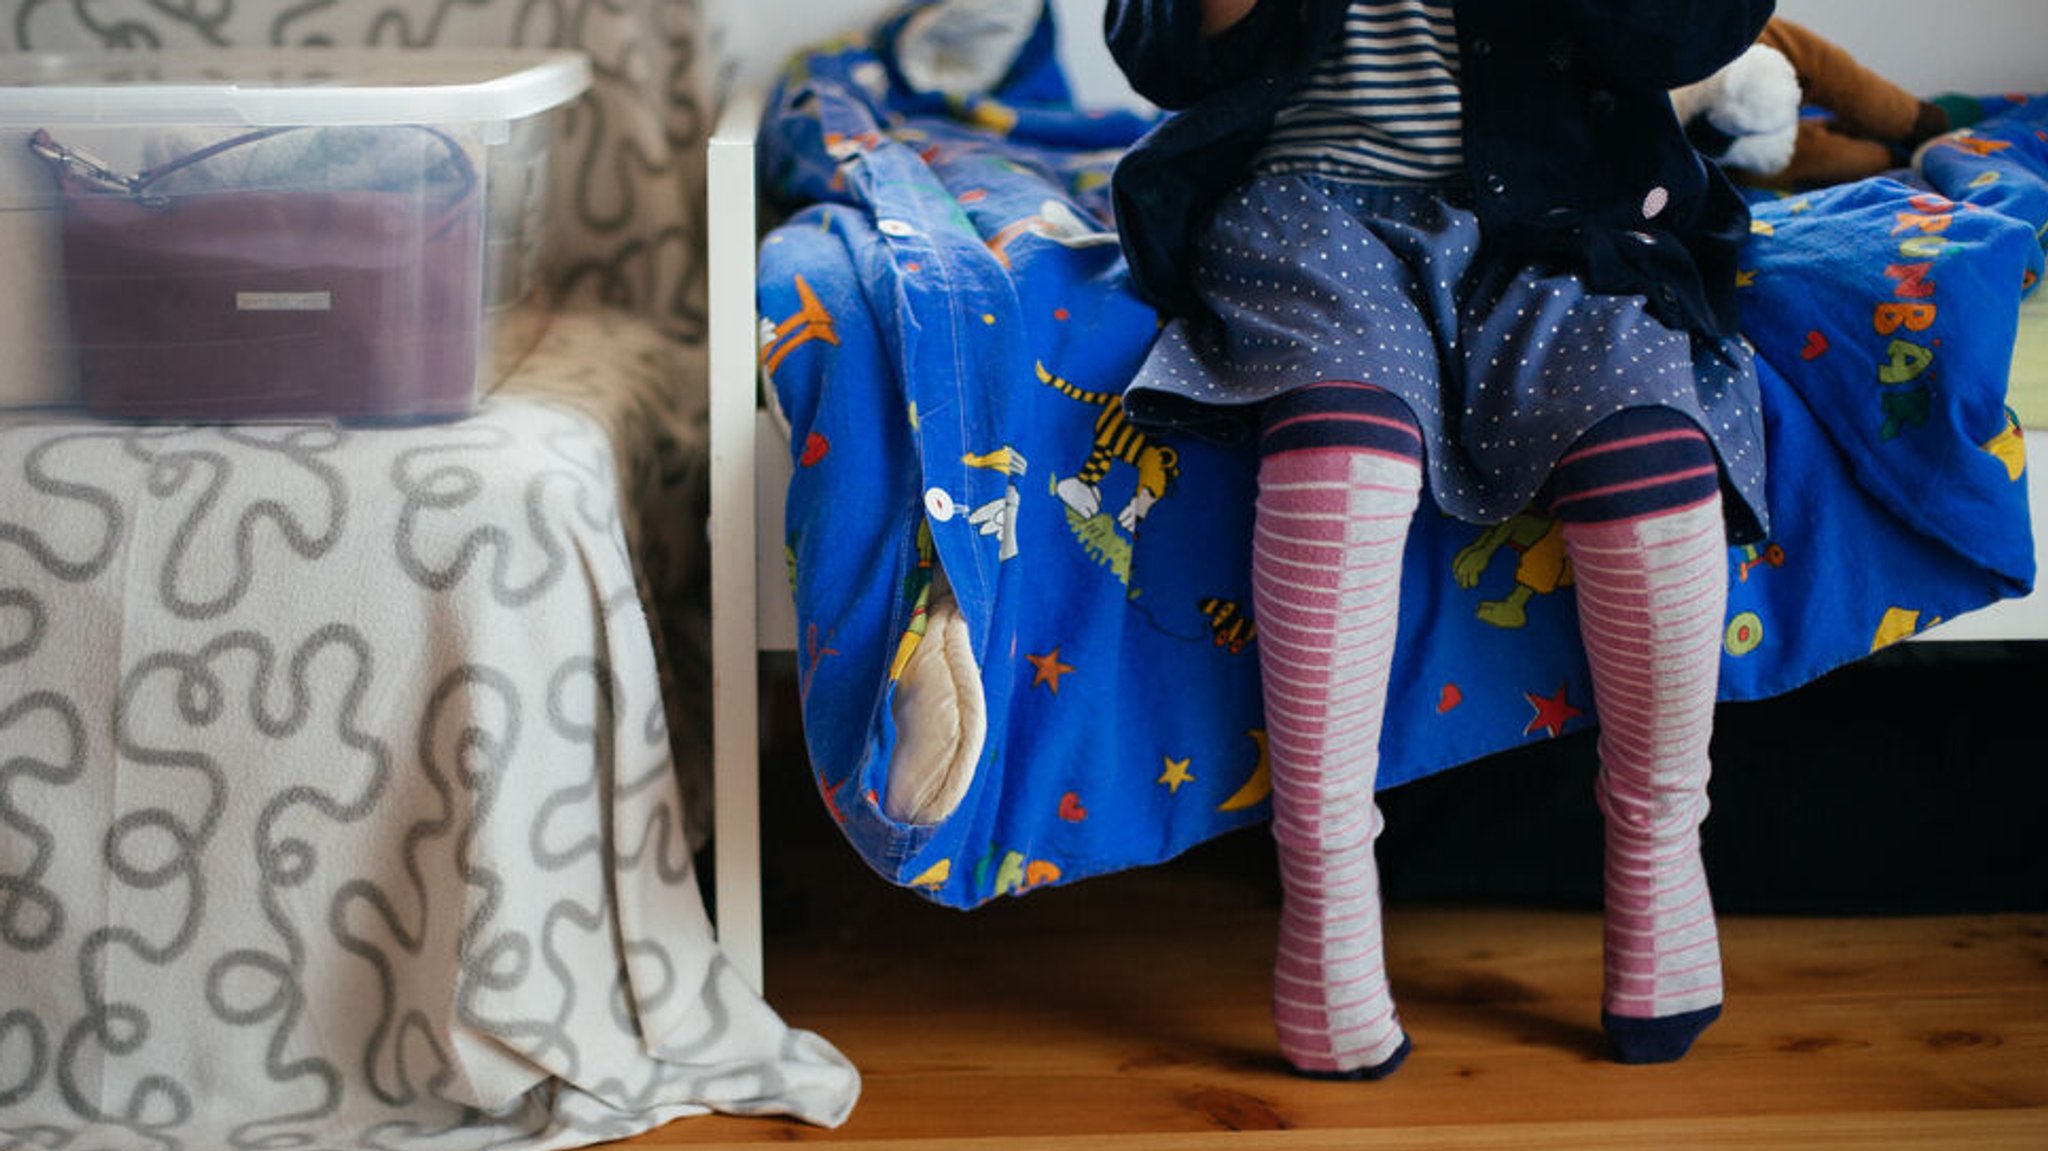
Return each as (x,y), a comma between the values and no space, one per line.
(1875,122)
(1747,117)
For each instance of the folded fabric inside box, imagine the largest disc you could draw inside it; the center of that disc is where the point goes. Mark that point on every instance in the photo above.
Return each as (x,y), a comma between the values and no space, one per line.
(284,273)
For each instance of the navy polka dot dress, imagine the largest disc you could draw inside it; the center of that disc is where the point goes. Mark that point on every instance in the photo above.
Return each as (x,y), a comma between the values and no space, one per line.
(1313,278)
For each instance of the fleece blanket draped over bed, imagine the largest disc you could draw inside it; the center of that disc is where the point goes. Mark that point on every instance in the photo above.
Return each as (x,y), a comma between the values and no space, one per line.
(947,327)
(338,805)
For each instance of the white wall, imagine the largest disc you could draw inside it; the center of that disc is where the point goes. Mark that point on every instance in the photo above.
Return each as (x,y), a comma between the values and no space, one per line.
(760,35)
(1961,45)
(1089,68)
(1976,46)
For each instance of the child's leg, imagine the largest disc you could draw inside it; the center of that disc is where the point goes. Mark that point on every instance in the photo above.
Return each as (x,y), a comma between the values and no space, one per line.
(1339,478)
(1639,497)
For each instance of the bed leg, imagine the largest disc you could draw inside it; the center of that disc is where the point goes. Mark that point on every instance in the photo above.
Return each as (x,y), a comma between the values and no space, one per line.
(735,684)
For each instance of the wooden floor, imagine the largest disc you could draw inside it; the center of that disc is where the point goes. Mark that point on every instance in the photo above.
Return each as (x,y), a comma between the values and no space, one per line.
(1131,1011)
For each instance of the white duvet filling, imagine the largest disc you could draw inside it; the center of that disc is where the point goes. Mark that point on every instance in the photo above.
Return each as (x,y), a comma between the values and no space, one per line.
(940,715)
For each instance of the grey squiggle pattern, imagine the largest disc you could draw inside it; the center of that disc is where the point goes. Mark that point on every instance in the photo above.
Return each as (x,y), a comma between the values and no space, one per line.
(284,463)
(398,927)
(52,503)
(154,845)
(52,753)
(568,801)
(288,857)
(438,490)
(23,623)
(340,801)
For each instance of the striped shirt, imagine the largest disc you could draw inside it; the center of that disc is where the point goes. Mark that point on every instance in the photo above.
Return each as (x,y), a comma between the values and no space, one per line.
(1383,104)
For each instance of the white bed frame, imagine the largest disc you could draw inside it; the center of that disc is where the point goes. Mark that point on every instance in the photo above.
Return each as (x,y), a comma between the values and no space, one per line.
(750,467)
(743,458)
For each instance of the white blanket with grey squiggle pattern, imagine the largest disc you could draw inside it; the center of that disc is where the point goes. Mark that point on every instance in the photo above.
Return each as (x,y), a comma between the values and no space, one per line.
(337,795)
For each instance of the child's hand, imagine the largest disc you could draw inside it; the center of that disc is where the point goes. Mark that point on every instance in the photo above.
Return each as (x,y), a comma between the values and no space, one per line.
(1219,15)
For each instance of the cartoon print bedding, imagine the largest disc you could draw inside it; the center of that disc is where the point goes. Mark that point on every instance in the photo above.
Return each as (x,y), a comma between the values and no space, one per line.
(947,327)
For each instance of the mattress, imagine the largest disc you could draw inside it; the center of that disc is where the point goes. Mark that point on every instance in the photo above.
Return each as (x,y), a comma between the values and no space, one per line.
(2028,390)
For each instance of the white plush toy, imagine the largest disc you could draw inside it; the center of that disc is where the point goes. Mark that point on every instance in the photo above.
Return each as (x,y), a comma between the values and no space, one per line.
(964,47)
(1746,116)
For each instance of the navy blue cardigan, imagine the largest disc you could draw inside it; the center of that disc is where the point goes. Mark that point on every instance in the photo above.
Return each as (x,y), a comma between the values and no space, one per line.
(1571,147)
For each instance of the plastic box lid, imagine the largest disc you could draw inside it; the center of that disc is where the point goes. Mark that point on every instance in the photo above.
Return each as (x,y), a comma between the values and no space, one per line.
(287,86)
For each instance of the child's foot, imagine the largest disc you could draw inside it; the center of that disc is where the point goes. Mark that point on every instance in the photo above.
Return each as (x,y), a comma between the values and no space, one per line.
(1661,1040)
(1380,1070)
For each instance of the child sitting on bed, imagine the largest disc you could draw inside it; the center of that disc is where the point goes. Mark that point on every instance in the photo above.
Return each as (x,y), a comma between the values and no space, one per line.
(1459,247)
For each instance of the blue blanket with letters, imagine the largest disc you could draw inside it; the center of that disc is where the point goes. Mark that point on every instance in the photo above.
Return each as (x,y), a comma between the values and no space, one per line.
(947,326)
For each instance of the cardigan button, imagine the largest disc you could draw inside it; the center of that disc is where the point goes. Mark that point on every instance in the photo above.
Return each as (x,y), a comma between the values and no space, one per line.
(1495,184)
(1482,47)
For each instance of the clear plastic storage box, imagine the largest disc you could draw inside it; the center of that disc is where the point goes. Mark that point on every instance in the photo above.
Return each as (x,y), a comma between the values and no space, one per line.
(286,234)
